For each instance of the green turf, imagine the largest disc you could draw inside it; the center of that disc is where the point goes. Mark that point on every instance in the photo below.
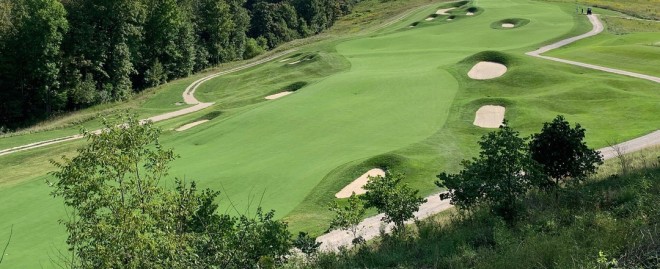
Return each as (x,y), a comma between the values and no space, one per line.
(399,99)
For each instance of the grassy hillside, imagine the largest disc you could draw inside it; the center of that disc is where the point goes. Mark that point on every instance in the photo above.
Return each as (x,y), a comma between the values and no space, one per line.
(611,221)
(398,99)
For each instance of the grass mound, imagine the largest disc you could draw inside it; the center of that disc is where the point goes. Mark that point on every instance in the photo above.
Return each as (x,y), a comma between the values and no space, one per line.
(489,56)
(517,23)
(294,86)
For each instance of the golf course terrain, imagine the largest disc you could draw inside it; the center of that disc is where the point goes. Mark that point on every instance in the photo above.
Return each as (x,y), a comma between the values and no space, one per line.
(397,98)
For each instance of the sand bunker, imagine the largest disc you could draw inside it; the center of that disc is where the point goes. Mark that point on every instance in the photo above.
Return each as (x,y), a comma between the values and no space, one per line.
(469,14)
(489,116)
(450,19)
(356,185)
(190,125)
(508,25)
(278,95)
(487,70)
(284,60)
(295,62)
(444,11)
(430,19)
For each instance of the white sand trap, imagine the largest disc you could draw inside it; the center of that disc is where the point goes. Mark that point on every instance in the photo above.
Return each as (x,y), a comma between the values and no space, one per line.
(489,116)
(430,19)
(450,19)
(487,70)
(356,185)
(295,62)
(278,95)
(443,11)
(284,60)
(469,14)
(508,25)
(190,125)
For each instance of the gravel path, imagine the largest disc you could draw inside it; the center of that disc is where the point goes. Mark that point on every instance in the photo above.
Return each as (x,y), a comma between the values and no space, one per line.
(597,29)
(188,97)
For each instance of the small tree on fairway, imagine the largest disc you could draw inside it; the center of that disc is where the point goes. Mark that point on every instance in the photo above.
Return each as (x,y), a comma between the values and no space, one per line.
(349,216)
(562,152)
(499,177)
(397,201)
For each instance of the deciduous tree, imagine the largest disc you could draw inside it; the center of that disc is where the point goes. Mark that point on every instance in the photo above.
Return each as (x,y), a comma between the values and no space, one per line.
(499,177)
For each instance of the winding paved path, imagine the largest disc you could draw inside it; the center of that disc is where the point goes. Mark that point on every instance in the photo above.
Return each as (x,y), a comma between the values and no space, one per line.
(188,98)
(597,29)
(370,227)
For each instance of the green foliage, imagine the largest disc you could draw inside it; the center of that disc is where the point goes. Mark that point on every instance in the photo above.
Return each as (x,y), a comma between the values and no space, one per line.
(397,201)
(349,216)
(122,218)
(583,229)
(562,152)
(114,48)
(30,60)
(306,243)
(500,177)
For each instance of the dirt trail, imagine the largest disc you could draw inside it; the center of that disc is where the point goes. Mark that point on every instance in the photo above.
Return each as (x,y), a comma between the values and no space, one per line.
(597,29)
(370,227)
(188,97)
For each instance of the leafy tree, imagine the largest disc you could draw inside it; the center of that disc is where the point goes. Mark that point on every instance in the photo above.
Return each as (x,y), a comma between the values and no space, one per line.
(397,201)
(349,216)
(562,152)
(499,177)
(30,60)
(123,218)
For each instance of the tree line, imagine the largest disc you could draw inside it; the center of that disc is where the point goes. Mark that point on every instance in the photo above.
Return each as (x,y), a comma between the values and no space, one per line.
(63,55)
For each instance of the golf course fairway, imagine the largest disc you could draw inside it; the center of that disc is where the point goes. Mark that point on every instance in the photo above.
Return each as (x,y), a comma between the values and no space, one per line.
(398,97)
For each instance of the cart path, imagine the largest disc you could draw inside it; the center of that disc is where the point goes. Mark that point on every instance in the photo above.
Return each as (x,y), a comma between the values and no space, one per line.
(370,227)
(597,29)
(188,97)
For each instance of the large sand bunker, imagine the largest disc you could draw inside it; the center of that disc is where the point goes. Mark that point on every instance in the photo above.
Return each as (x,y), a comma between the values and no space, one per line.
(489,116)
(356,185)
(190,125)
(444,11)
(278,95)
(487,70)
(508,25)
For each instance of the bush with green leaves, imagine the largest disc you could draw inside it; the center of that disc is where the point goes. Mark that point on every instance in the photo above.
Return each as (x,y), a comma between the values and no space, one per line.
(349,216)
(562,152)
(499,177)
(397,201)
(121,216)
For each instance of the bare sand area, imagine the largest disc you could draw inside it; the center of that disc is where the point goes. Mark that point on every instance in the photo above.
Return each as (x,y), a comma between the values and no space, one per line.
(357,184)
(444,11)
(190,125)
(489,116)
(487,70)
(508,25)
(278,95)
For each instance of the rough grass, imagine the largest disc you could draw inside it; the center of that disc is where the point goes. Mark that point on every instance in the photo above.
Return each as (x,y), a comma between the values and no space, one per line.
(609,217)
(647,9)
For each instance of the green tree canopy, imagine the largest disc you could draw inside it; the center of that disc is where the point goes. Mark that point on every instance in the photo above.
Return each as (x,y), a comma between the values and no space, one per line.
(562,152)
(499,177)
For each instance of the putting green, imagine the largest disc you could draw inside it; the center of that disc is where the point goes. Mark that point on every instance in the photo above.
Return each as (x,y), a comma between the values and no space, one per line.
(401,97)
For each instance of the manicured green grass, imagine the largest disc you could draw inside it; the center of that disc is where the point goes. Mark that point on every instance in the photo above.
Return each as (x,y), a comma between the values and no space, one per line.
(399,99)
(632,52)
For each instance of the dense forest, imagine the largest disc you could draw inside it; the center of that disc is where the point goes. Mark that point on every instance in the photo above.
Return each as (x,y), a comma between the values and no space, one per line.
(63,55)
